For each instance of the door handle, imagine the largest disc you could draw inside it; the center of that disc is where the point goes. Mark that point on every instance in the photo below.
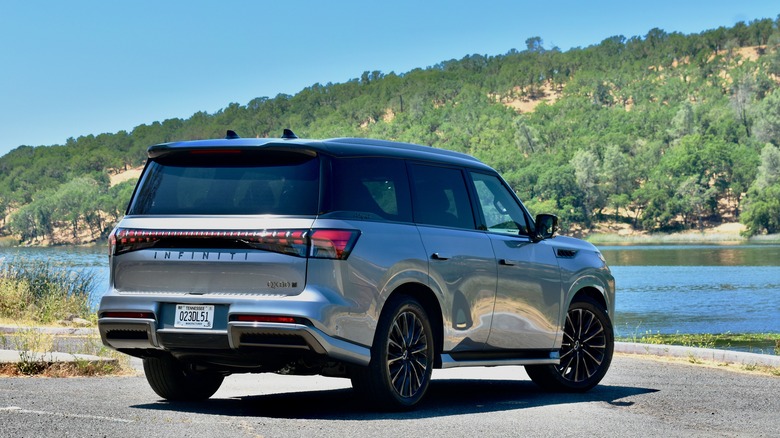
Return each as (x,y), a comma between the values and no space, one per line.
(508,262)
(439,256)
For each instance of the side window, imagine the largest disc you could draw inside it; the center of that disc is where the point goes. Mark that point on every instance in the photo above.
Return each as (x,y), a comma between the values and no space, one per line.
(501,211)
(376,188)
(440,197)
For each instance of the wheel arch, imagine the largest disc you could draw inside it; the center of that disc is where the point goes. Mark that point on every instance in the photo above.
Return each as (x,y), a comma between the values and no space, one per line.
(430,303)
(597,286)
(593,293)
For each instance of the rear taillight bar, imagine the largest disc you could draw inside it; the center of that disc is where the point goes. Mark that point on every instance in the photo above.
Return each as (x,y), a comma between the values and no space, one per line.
(133,315)
(322,243)
(264,318)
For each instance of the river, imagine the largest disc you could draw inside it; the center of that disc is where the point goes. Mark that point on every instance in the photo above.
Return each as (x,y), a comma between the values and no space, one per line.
(663,289)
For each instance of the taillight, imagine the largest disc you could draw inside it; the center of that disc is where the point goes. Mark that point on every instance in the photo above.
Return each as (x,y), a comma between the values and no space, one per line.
(332,244)
(125,240)
(291,242)
(317,243)
(264,318)
(138,315)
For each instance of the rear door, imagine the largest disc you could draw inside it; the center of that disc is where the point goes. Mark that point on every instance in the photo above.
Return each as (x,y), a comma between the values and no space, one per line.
(460,257)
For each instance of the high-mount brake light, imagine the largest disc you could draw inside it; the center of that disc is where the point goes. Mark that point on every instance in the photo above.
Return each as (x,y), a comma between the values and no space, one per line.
(315,243)
(215,151)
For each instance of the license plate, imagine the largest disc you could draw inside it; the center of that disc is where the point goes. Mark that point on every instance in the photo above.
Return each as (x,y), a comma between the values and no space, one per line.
(194,316)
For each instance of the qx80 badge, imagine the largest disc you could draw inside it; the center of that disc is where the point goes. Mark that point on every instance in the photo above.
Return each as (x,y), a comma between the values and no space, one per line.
(282,284)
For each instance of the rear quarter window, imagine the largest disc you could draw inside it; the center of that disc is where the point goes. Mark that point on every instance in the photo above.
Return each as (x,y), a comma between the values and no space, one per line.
(239,183)
(370,188)
(440,197)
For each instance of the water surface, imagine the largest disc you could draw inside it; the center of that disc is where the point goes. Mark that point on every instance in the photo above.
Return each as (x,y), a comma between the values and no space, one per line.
(696,288)
(660,288)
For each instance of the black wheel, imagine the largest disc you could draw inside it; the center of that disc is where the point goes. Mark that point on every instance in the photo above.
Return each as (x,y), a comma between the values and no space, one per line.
(171,381)
(586,351)
(401,357)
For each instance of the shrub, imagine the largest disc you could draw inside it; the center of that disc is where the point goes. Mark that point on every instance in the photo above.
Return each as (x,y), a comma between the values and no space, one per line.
(37,291)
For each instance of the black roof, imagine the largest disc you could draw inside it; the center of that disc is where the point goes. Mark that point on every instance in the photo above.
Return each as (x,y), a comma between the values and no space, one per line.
(334,146)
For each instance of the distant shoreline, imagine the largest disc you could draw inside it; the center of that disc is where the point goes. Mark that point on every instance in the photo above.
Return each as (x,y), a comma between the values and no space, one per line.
(724,234)
(681,238)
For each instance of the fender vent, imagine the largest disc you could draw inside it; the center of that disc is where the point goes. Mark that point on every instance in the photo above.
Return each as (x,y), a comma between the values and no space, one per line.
(566,253)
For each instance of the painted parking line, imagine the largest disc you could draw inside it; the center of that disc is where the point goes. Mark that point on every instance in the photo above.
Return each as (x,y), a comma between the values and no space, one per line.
(18,410)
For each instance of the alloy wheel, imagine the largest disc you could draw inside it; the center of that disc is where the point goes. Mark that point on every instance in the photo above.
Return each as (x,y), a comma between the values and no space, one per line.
(407,354)
(584,345)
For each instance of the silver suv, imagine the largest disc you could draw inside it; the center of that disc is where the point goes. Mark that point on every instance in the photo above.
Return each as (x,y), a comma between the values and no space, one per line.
(371,260)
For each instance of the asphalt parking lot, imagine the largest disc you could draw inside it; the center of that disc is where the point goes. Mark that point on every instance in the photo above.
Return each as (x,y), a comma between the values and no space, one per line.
(641,396)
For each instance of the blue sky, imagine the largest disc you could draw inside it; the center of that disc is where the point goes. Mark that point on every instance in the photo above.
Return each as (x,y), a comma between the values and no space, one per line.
(73,68)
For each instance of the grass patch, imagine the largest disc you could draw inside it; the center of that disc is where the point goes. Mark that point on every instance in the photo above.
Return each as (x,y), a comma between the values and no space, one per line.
(32,346)
(8,241)
(35,347)
(36,293)
(41,293)
(763,343)
(78,368)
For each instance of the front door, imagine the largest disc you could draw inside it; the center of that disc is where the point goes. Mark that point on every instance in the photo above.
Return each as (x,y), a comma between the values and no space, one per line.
(529,294)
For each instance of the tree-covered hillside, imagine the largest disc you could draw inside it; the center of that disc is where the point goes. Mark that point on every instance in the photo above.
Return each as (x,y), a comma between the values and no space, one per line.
(664,131)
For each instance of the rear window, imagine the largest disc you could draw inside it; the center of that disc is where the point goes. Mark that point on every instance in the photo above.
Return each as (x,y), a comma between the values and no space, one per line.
(239,182)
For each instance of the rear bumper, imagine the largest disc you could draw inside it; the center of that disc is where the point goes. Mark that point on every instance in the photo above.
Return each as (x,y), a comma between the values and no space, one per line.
(231,337)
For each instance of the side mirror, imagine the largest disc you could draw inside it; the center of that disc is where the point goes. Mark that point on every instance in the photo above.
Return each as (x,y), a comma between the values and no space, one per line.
(546,226)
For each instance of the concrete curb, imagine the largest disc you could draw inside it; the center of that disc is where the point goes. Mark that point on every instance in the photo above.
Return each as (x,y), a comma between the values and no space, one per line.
(51,357)
(707,354)
(55,331)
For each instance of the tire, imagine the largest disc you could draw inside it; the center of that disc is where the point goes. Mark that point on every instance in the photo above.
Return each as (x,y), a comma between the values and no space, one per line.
(586,351)
(171,381)
(399,373)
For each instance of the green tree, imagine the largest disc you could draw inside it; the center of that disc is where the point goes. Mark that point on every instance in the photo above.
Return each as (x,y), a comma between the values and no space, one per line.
(114,202)
(683,122)
(534,44)
(693,199)
(762,210)
(769,169)
(76,201)
(742,99)
(586,174)
(767,114)
(36,219)
(616,178)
